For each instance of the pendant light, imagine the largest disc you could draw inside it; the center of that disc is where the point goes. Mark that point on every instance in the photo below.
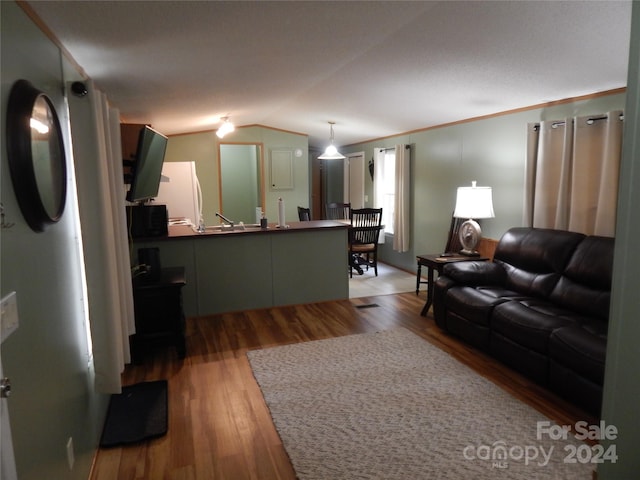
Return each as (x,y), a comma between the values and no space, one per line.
(226,127)
(331,153)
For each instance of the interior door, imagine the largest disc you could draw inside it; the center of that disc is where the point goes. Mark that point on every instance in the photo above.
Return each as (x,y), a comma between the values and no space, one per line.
(354,172)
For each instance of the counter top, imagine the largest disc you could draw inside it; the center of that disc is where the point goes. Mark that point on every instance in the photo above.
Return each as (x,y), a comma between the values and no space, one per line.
(184,231)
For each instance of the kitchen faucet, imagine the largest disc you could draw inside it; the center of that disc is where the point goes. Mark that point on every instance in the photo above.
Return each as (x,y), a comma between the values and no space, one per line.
(225,219)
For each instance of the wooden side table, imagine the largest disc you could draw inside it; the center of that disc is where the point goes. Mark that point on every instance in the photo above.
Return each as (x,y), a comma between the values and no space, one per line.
(159,313)
(436,262)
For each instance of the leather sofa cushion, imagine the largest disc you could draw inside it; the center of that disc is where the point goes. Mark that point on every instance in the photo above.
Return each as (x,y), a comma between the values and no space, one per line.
(581,299)
(538,250)
(476,273)
(530,283)
(529,323)
(586,284)
(534,259)
(581,348)
(474,305)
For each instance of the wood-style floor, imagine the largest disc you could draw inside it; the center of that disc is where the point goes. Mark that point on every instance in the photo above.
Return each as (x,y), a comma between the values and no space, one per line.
(219,425)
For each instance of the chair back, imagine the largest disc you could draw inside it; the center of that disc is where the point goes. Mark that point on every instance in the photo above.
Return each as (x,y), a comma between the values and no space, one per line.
(338,211)
(366,224)
(304,214)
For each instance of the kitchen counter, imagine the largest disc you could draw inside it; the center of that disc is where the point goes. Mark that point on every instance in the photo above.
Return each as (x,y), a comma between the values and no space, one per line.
(182,231)
(257,268)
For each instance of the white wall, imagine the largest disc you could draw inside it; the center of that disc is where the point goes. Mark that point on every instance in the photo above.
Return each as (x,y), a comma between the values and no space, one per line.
(622,382)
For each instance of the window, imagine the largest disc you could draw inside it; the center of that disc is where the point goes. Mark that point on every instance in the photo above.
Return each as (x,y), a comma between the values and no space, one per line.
(392,192)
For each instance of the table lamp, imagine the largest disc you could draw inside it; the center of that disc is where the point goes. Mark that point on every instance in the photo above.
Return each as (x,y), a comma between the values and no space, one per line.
(472,203)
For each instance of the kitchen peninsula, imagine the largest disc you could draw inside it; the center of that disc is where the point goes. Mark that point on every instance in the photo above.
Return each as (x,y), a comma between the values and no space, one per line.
(232,270)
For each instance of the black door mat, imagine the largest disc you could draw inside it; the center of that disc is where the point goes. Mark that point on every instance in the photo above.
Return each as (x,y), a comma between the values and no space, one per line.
(137,414)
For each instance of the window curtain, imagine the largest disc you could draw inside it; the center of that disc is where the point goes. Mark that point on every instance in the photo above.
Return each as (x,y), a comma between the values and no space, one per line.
(391,187)
(97,151)
(401,221)
(571,179)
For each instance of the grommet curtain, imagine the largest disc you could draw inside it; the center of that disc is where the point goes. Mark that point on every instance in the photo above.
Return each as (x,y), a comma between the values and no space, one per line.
(392,191)
(572,174)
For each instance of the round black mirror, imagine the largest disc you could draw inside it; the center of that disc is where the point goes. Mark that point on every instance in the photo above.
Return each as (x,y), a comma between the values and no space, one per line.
(36,155)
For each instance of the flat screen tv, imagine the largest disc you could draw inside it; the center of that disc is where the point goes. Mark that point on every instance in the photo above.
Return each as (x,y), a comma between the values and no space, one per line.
(147,168)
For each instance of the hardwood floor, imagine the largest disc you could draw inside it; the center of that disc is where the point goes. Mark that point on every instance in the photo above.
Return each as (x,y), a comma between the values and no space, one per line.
(219,425)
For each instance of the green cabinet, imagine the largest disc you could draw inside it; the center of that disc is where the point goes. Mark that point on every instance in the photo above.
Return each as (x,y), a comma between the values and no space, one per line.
(249,270)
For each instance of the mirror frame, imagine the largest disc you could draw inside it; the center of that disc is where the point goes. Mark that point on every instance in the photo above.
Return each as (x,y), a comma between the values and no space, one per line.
(22,99)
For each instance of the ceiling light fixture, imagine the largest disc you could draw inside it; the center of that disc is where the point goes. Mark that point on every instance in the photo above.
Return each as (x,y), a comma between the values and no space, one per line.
(225,128)
(331,153)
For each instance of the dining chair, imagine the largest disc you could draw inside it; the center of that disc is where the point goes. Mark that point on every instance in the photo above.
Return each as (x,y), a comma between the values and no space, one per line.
(304,214)
(364,232)
(338,211)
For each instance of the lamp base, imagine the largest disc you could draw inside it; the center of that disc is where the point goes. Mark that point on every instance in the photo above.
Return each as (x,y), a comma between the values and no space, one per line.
(469,234)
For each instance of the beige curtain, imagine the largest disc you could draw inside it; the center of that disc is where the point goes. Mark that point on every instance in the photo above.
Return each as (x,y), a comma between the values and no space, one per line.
(401,227)
(572,174)
(391,186)
(98,169)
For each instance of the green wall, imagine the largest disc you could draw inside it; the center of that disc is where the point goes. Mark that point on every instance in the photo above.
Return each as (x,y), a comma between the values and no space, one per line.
(202,147)
(491,151)
(622,382)
(47,357)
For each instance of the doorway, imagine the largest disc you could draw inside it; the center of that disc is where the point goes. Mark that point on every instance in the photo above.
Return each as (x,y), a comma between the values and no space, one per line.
(354,180)
(339,181)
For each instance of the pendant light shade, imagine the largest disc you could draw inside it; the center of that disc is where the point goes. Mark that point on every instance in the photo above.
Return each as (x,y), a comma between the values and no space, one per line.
(331,153)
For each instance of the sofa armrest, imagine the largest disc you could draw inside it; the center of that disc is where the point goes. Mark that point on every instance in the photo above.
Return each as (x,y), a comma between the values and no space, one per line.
(475,273)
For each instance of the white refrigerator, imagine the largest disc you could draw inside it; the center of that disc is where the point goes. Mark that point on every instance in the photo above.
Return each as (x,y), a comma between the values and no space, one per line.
(180,192)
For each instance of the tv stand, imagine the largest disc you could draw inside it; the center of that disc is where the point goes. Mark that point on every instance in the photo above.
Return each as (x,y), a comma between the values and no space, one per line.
(159,315)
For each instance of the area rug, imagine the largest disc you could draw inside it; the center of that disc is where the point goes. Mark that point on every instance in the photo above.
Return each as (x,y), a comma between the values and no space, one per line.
(137,414)
(390,405)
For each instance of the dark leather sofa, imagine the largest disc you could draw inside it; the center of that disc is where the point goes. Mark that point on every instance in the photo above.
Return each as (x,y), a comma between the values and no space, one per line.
(541,306)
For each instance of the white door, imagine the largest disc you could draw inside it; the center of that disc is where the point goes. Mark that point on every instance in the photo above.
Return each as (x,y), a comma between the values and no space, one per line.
(354,180)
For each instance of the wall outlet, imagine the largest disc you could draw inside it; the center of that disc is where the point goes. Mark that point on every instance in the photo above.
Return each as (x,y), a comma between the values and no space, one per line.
(70,455)
(8,316)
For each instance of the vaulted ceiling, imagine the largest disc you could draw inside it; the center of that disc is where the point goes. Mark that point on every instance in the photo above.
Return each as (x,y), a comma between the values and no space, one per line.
(376,68)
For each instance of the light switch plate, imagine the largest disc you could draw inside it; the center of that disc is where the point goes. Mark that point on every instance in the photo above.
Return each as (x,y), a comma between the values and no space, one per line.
(8,315)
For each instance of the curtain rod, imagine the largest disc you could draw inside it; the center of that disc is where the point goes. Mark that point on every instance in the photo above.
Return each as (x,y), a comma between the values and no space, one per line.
(393,148)
(590,121)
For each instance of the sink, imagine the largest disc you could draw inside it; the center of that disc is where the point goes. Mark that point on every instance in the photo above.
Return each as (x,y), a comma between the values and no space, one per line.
(235,228)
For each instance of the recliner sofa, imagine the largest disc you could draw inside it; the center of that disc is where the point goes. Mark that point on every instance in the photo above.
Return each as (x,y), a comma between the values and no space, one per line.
(541,306)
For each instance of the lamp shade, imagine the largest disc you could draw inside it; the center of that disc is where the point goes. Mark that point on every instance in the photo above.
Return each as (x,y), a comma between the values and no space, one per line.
(331,153)
(474,202)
